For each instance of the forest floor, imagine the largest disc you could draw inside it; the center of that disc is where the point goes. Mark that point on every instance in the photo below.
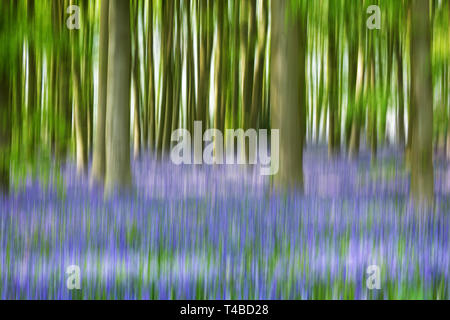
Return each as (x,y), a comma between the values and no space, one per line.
(215,232)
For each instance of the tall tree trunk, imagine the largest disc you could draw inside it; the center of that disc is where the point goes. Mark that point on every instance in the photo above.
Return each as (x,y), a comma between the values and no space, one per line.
(99,156)
(401,99)
(168,107)
(356,123)
(236,61)
(18,85)
(447,89)
(63,103)
(258,83)
(372,117)
(32,85)
(205,11)
(218,67)
(177,63)
(248,28)
(80,116)
(288,94)
(136,85)
(422,181)
(190,74)
(332,80)
(353,53)
(118,168)
(151,81)
(5,131)
(320,97)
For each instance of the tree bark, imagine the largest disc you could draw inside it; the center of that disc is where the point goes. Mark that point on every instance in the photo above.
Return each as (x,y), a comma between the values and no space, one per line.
(206,37)
(151,81)
(99,153)
(136,85)
(236,60)
(80,117)
(32,84)
(332,81)
(5,131)
(218,67)
(422,181)
(288,94)
(118,168)
(258,82)
(401,99)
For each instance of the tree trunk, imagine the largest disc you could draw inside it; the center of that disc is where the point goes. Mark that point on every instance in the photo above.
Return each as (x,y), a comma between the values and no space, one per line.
(401,99)
(356,123)
(32,85)
(190,74)
(332,81)
(446,97)
(80,117)
(118,168)
(372,118)
(151,81)
(288,94)
(99,156)
(168,17)
(206,37)
(136,86)
(422,181)
(218,67)
(236,61)
(248,50)
(5,131)
(259,68)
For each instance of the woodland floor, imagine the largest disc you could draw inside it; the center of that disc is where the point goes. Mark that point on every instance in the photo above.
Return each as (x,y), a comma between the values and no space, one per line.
(215,232)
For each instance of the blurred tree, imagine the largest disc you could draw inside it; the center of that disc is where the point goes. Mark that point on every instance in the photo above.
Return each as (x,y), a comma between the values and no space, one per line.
(99,156)
(118,169)
(422,181)
(288,90)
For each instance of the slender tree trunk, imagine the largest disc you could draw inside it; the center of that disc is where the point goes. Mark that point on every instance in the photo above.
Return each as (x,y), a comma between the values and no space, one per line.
(63,103)
(168,16)
(80,117)
(218,67)
(32,85)
(332,80)
(118,168)
(320,98)
(18,86)
(151,81)
(422,181)
(447,90)
(372,119)
(401,99)
(356,123)
(99,156)
(190,77)
(205,50)
(249,26)
(259,68)
(136,86)
(236,60)
(87,76)
(288,94)
(177,63)
(353,53)
(5,131)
